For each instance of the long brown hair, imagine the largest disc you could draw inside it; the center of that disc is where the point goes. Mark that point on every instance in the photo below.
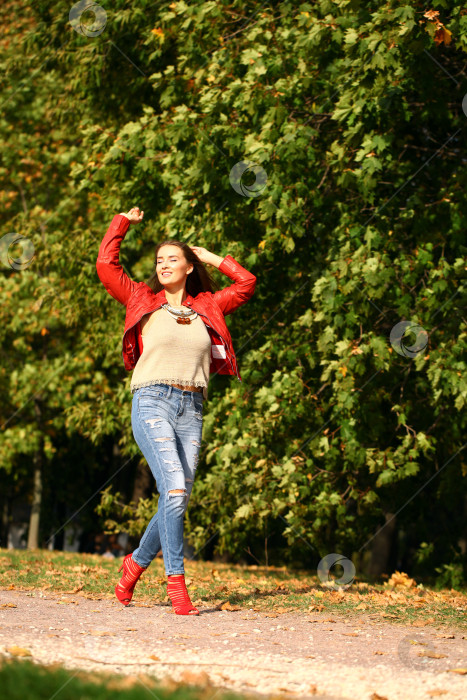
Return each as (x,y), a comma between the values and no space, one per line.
(199,279)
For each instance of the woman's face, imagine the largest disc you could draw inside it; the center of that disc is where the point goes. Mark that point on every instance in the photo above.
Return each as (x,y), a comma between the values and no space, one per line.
(171,267)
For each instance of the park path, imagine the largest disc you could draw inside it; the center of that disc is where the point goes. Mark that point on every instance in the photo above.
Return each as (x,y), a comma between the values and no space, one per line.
(305,655)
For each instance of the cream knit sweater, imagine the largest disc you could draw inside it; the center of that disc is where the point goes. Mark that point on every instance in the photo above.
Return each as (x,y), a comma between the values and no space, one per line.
(173,352)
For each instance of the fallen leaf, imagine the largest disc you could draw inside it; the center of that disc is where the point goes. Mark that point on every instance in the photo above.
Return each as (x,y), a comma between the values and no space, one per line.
(379,652)
(350,634)
(422,623)
(101,633)
(436,691)
(313,689)
(192,678)
(18,651)
(400,578)
(462,671)
(281,610)
(8,605)
(375,696)
(154,657)
(281,586)
(431,654)
(227,606)
(446,636)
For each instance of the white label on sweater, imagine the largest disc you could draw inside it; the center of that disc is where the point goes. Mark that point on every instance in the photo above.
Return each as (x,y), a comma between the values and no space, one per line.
(218,351)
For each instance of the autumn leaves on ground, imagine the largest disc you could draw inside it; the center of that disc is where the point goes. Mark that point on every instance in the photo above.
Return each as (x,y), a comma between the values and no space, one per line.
(270,590)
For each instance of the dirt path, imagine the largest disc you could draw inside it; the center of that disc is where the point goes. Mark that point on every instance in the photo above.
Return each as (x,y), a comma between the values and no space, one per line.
(306,655)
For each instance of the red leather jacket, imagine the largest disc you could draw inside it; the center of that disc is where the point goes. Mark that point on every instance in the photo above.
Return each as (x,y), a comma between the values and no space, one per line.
(140,299)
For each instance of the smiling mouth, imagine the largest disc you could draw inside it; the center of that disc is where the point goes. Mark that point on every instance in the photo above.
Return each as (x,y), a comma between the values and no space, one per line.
(166,274)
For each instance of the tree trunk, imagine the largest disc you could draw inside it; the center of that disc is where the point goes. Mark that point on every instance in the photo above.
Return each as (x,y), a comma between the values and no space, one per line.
(34,519)
(5,522)
(381,547)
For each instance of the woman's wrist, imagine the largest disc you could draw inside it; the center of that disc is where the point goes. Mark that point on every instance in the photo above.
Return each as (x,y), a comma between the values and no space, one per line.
(205,256)
(215,260)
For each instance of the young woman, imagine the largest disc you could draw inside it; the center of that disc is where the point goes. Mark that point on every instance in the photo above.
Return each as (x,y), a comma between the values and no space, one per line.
(175,336)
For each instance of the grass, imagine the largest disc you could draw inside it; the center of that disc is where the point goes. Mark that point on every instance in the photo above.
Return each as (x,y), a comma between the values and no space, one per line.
(24,680)
(270,590)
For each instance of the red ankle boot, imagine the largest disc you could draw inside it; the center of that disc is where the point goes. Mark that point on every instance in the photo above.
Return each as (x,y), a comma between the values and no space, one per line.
(131,573)
(178,594)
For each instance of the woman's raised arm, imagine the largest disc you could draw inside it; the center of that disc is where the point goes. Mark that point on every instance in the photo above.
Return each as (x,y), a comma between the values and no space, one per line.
(238,293)
(108,266)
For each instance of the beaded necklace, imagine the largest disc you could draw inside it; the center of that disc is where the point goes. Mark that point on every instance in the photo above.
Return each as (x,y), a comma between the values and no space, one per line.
(179,315)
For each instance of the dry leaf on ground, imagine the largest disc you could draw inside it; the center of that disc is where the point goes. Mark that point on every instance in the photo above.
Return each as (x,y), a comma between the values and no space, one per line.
(400,578)
(18,651)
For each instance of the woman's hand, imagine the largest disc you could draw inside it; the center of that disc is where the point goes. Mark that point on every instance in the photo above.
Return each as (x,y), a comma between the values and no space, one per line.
(135,215)
(205,256)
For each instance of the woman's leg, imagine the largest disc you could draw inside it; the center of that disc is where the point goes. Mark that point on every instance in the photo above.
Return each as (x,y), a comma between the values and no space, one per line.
(167,427)
(188,434)
(150,544)
(188,429)
(188,452)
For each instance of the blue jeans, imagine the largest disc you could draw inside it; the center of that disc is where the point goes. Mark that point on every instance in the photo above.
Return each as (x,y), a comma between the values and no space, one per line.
(167,424)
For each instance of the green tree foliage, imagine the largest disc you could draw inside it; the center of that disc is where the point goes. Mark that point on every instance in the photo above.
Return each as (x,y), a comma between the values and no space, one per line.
(354,113)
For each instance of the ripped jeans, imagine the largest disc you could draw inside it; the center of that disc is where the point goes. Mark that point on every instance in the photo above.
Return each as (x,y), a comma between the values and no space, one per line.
(167,425)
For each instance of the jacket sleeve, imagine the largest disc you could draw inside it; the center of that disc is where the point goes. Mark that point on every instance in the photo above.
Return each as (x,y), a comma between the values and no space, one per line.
(108,266)
(240,291)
